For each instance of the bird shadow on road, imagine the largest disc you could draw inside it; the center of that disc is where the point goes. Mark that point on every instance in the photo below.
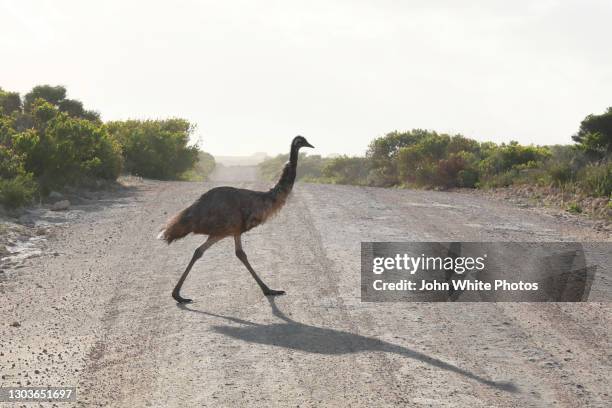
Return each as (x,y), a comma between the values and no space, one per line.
(319,340)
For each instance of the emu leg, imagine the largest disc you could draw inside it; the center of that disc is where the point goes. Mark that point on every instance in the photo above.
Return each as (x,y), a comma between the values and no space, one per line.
(196,255)
(243,257)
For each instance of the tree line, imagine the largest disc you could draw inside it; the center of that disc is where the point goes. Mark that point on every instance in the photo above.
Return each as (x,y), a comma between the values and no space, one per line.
(427,159)
(48,141)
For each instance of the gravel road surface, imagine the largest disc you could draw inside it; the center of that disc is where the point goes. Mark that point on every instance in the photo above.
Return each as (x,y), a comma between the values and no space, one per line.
(94,310)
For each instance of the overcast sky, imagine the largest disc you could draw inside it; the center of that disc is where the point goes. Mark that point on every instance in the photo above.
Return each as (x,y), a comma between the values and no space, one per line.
(252,74)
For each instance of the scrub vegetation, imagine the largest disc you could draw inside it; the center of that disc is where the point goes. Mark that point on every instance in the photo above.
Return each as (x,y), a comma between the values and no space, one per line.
(427,159)
(48,142)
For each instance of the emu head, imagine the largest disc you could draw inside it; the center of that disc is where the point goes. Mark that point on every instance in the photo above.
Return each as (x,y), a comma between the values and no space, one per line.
(300,141)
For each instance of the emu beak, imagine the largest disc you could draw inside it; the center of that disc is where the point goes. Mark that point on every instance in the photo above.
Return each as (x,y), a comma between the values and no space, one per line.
(306,144)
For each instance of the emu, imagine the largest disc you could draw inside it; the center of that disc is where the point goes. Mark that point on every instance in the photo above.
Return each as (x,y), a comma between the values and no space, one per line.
(227,211)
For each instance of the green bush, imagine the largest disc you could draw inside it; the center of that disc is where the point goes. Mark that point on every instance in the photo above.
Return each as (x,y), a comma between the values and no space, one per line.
(17,191)
(560,173)
(48,141)
(378,177)
(415,162)
(383,152)
(500,159)
(202,169)
(311,167)
(449,170)
(596,179)
(16,186)
(156,148)
(504,179)
(439,160)
(467,175)
(468,178)
(346,170)
(574,208)
(569,156)
(7,131)
(63,150)
(11,165)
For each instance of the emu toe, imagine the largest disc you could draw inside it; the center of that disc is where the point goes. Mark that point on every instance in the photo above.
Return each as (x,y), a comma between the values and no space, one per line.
(272,292)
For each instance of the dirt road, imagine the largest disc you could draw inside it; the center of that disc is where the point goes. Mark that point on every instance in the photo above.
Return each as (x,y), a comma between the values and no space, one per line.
(95,310)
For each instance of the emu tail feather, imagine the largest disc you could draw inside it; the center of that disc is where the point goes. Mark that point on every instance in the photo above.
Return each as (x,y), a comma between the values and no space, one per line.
(176,228)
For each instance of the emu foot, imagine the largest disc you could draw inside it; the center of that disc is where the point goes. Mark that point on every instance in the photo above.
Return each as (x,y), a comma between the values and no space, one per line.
(180,299)
(272,292)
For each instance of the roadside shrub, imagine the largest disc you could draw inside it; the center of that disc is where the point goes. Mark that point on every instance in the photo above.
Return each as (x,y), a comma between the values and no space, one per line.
(439,160)
(468,178)
(383,152)
(507,164)
(563,164)
(48,141)
(202,169)
(11,165)
(468,175)
(63,149)
(504,179)
(459,143)
(17,191)
(156,148)
(7,131)
(16,186)
(346,170)
(574,208)
(499,159)
(529,173)
(206,164)
(377,177)
(448,170)
(560,173)
(596,179)
(311,167)
(424,175)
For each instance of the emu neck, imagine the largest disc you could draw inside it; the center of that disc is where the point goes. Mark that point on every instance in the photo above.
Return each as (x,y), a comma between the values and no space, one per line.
(285,183)
(293,156)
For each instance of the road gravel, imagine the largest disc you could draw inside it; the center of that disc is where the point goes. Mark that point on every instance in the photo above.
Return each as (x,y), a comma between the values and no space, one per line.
(95,311)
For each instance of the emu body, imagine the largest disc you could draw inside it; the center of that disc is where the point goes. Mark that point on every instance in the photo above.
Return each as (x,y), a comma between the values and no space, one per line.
(227,211)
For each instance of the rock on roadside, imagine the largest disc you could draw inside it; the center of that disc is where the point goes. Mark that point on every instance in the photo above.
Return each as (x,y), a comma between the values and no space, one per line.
(60,205)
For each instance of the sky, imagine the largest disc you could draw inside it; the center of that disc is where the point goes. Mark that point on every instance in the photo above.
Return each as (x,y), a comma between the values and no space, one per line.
(253,74)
